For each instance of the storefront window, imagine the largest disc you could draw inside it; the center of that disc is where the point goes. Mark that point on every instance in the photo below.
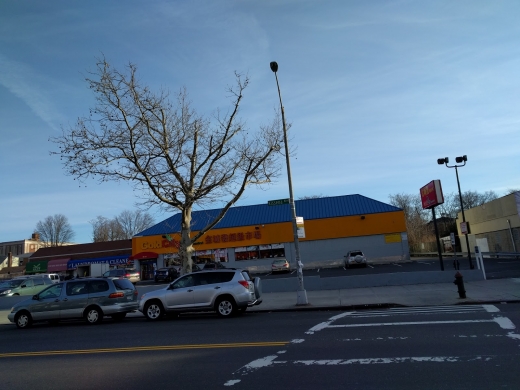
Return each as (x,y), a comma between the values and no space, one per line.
(198,257)
(259,252)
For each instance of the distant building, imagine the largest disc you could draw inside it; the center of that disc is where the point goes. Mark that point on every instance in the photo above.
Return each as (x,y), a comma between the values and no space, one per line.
(494,226)
(15,254)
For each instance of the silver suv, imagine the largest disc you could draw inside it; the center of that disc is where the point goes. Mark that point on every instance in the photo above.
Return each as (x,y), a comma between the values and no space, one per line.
(90,299)
(225,291)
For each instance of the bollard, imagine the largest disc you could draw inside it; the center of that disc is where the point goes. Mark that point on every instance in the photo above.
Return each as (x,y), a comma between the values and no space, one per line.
(460,285)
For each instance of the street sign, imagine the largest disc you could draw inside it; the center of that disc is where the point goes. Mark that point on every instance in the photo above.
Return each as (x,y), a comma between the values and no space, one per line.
(277,202)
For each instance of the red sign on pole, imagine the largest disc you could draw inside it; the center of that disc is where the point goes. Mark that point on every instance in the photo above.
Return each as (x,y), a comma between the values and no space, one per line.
(431,194)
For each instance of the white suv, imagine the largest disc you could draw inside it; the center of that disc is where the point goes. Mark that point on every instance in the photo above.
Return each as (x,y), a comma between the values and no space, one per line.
(355,258)
(225,291)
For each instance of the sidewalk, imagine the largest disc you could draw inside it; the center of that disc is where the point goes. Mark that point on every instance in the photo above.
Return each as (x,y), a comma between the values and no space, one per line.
(440,294)
(483,291)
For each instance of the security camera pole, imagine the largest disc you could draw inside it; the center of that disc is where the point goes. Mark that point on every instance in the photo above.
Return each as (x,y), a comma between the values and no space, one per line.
(301,293)
(461,159)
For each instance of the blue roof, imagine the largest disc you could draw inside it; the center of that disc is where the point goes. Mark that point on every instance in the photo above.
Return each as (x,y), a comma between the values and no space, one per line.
(318,208)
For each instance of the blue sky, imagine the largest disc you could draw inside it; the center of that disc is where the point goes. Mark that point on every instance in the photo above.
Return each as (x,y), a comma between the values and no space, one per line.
(375,91)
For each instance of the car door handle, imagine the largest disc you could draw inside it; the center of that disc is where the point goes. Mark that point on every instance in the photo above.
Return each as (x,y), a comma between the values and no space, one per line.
(56,300)
(190,290)
(216,288)
(65,300)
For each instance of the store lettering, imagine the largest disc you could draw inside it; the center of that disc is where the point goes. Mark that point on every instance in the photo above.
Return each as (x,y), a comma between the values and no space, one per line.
(161,244)
(233,237)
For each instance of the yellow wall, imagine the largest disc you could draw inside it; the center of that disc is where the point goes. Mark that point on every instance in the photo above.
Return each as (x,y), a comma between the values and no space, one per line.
(317,229)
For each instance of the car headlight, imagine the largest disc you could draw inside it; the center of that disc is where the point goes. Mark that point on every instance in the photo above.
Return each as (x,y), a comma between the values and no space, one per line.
(5,292)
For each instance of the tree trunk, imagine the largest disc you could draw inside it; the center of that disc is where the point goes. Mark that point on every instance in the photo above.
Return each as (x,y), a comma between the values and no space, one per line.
(186,247)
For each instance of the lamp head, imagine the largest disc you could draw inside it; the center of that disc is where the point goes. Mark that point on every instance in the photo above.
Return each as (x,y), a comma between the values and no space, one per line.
(461,159)
(441,161)
(274,66)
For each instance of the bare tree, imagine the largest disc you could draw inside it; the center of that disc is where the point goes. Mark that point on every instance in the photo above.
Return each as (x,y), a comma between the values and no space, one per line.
(104,229)
(472,199)
(173,156)
(133,222)
(311,197)
(416,218)
(122,227)
(54,230)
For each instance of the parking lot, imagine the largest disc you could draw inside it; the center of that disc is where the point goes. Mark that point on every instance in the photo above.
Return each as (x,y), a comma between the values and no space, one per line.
(495,268)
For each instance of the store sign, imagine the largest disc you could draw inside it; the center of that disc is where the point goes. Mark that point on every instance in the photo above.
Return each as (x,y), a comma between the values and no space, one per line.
(431,194)
(277,202)
(300,228)
(232,237)
(464,227)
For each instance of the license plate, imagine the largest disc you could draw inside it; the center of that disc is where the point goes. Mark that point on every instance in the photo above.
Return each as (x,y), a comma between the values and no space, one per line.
(129,297)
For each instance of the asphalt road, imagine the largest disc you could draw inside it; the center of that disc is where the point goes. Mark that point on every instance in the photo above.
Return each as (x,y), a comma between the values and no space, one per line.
(457,347)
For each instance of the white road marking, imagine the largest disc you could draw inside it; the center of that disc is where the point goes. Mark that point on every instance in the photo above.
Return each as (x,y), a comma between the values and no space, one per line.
(370,266)
(491,308)
(326,324)
(297,341)
(232,382)
(504,322)
(411,359)
(513,335)
(410,323)
(398,265)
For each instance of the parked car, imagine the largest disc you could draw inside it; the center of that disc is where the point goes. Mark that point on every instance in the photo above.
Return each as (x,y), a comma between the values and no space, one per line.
(214,265)
(27,285)
(355,258)
(280,265)
(90,299)
(129,273)
(225,291)
(54,277)
(194,268)
(167,274)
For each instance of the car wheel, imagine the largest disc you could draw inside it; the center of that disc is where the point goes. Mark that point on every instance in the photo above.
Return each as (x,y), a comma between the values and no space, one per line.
(118,316)
(153,311)
(156,280)
(225,307)
(347,265)
(93,315)
(23,320)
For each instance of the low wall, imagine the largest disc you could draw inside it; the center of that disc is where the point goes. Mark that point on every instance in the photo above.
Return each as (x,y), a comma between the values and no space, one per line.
(315,283)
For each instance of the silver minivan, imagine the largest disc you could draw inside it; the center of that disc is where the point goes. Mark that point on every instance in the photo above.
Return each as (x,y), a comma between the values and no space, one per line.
(90,299)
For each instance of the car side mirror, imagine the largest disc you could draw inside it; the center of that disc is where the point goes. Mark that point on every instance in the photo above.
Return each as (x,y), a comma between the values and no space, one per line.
(36,297)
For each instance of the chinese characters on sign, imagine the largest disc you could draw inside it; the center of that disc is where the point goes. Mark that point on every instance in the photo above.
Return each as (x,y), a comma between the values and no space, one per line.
(233,237)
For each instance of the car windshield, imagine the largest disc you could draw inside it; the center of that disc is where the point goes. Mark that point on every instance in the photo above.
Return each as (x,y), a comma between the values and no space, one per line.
(12,283)
(357,253)
(279,261)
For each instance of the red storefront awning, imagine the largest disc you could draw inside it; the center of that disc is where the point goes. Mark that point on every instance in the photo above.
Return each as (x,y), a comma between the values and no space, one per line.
(144,255)
(57,265)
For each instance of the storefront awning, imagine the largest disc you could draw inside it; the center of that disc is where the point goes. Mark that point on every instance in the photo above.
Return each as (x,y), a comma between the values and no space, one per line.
(34,267)
(57,265)
(144,255)
(112,260)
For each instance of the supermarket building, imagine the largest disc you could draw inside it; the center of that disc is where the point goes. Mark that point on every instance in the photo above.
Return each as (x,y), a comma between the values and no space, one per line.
(252,236)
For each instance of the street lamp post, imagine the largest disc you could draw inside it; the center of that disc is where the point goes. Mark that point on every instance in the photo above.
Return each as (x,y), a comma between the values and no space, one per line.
(461,159)
(301,293)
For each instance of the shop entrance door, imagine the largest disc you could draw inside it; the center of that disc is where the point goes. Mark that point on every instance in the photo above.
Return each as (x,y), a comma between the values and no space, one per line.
(147,269)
